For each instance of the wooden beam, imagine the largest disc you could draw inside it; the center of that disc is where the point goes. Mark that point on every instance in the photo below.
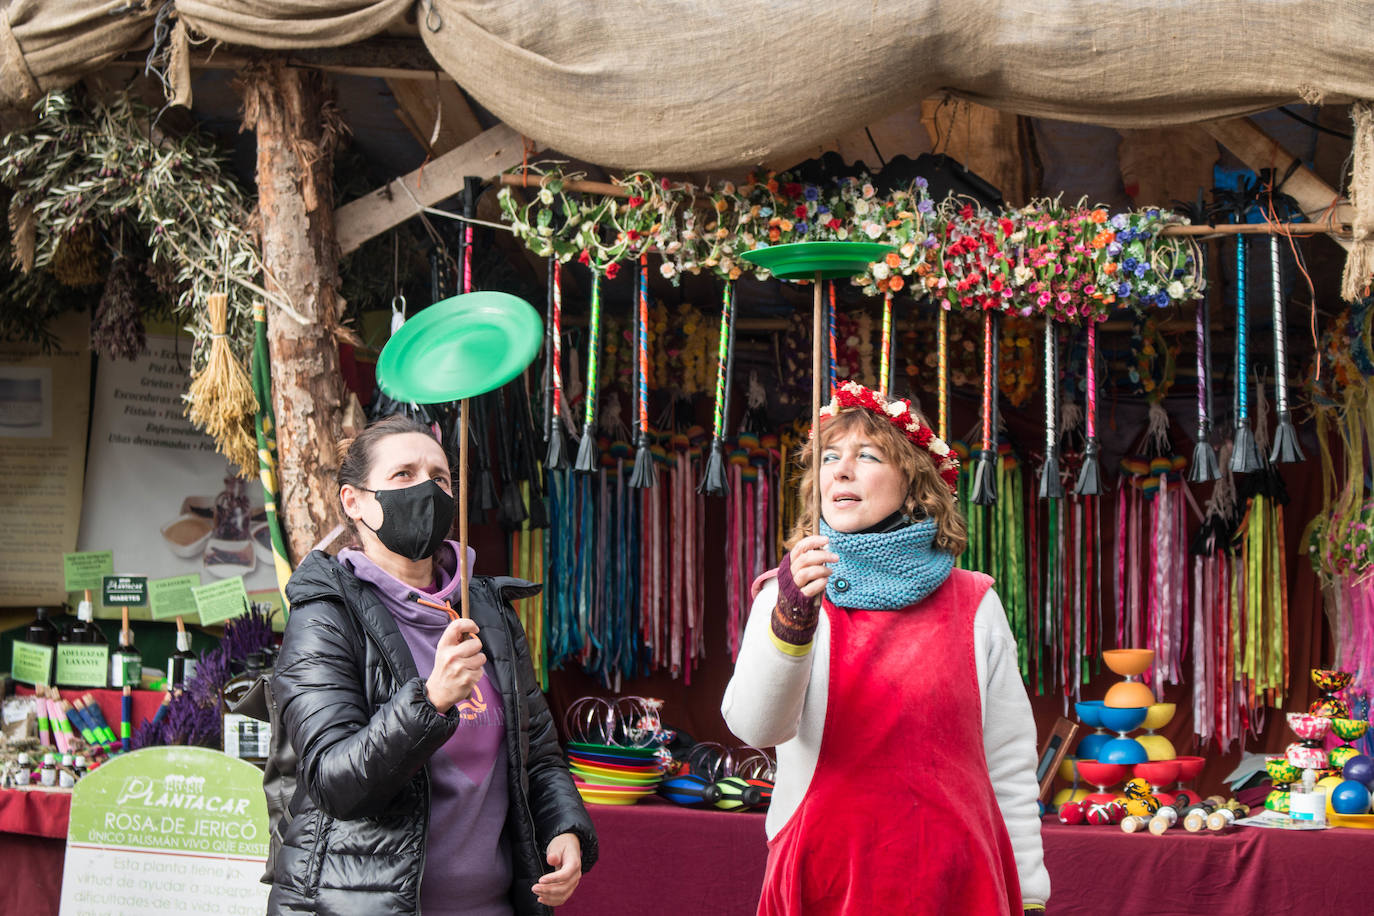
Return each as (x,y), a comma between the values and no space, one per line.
(1251,145)
(423,103)
(487,154)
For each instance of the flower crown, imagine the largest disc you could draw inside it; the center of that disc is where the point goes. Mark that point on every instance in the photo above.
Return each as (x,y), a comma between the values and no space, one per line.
(899,414)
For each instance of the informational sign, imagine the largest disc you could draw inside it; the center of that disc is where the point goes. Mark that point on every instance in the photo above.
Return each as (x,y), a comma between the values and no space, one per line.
(122,591)
(172,597)
(221,601)
(167,830)
(86,570)
(31,663)
(44,411)
(158,490)
(83,665)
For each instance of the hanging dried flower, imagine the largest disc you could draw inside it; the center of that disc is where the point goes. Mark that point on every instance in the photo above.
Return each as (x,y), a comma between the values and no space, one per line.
(117,330)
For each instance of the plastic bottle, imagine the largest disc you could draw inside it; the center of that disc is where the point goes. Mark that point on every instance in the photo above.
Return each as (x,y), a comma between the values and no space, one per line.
(126,664)
(181,664)
(246,737)
(24,770)
(47,773)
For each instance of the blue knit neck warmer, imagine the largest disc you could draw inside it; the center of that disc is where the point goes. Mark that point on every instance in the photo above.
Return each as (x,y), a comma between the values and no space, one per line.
(887,571)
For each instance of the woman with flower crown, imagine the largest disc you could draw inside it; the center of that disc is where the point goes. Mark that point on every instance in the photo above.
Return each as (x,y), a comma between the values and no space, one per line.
(888,681)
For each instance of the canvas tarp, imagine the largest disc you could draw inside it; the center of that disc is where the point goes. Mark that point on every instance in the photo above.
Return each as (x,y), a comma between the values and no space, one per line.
(290,24)
(49,44)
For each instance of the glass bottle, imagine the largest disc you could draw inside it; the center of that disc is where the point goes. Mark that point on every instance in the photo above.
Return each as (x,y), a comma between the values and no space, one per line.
(245,737)
(23,773)
(233,512)
(47,774)
(65,778)
(181,664)
(126,664)
(42,631)
(84,631)
(79,766)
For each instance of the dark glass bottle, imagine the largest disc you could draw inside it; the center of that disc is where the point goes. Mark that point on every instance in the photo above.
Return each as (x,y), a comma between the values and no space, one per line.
(181,664)
(126,664)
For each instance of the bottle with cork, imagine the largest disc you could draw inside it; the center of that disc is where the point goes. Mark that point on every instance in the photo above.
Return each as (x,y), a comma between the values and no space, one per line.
(84,631)
(181,664)
(126,664)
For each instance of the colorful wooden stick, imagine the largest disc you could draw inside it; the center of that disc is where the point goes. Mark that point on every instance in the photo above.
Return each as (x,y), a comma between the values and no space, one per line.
(1286,449)
(1245,456)
(557,457)
(644,474)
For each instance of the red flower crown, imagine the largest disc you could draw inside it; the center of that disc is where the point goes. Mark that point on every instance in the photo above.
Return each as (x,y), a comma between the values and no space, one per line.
(899,414)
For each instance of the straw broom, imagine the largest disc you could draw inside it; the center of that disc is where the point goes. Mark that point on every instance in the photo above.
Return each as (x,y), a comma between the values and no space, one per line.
(220,399)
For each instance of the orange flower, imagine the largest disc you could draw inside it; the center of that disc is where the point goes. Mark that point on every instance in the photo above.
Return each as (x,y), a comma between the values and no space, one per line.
(1099,216)
(893,259)
(922,269)
(786,225)
(1110,267)
(932,282)
(720,205)
(772,186)
(774,234)
(895,283)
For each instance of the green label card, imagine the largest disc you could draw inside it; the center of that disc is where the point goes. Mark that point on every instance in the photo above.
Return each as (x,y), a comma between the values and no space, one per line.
(124,591)
(31,663)
(167,830)
(87,569)
(83,666)
(221,601)
(172,597)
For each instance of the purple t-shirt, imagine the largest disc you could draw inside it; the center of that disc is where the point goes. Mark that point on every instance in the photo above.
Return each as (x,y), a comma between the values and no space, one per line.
(467,855)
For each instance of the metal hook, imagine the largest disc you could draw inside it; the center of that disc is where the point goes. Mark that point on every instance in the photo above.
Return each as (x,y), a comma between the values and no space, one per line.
(433,21)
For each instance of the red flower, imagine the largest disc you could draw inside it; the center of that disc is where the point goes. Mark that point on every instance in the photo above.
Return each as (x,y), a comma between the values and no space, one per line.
(635,201)
(611,270)
(632,235)
(834,223)
(792,189)
(585,258)
(1006,225)
(800,211)
(967,212)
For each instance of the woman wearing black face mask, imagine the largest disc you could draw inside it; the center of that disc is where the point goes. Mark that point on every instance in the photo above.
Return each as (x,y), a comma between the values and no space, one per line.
(429,778)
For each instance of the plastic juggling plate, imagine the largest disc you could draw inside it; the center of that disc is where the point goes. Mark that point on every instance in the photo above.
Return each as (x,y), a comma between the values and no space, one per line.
(460,347)
(801,260)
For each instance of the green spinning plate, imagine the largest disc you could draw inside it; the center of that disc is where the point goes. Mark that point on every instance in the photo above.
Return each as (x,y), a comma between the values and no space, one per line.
(801,260)
(460,347)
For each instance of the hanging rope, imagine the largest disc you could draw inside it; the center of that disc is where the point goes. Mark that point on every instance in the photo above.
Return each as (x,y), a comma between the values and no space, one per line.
(556,458)
(985,471)
(1090,474)
(1245,456)
(714,481)
(1050,485)
(1204,467)
(1286,449)
(586,449)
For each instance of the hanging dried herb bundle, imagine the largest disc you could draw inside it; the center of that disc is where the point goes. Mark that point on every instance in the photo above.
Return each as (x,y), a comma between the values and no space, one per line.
(77,262)
(92,166)
(220,399)
(117,330)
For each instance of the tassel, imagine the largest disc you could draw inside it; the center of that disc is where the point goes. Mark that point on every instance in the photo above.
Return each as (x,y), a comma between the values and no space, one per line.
(1090,474)
(1051,487)
(556,458)
(984,491)
(644,474)
(714,481)
(220,398)
(1204,467)
(1359,263)
(1245,456)
(586,449)
(1286,449)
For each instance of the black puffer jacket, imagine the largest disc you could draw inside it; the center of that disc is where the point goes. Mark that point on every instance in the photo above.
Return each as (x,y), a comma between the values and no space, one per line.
(355,711)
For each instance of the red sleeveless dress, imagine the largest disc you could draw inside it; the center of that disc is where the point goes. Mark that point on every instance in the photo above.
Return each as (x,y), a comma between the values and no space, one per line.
(900,815)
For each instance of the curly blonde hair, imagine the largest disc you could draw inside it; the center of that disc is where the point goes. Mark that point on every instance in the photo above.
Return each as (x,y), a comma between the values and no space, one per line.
(926,491)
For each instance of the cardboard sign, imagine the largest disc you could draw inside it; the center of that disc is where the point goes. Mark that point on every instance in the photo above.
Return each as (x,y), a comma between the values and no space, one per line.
(31,663)
(86,569)
(124,591)
(167,830)
(172,597)
(83,665)
(221,601)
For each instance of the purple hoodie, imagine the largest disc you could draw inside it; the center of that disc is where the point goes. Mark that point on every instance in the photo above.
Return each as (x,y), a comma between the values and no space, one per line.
(467,857)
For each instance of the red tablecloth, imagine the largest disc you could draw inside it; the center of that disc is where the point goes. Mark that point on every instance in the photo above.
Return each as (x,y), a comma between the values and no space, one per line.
(658,858)
(33,843)
(35,812)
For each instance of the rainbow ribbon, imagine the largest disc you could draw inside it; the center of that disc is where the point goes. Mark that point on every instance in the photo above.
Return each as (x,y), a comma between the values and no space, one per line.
(556,459)
(885,361)
(942,346)
(644,475)
(1090,474)
(834,374)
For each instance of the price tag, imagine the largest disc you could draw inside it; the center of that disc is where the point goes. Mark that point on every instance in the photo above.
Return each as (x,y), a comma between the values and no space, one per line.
(86,569)
(124,591)
(172,597)
(83,665)
(31,663)
(220,601)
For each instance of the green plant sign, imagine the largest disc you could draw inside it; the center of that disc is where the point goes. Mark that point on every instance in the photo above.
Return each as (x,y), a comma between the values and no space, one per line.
(167,830)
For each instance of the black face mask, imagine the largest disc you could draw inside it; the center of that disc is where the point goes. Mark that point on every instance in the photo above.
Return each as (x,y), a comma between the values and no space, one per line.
(415,520)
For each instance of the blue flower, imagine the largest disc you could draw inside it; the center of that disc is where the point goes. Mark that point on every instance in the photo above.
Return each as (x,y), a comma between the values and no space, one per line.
(811,192)
(930,241)
(1126,236)
(1123,290)
(822,209)
(1114,249)
(1140,269)
(922,183)
(800,227)
(925,206)
(1152,213)
(1129,264)
(765,211)
(1119,222)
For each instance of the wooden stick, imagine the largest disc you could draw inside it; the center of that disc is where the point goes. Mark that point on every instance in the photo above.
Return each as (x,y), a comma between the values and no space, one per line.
(463,570)
(181,626)
(1320,228)
(124,627)
(817,370)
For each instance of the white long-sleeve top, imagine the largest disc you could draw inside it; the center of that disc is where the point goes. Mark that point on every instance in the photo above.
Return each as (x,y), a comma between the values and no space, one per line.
(779,699)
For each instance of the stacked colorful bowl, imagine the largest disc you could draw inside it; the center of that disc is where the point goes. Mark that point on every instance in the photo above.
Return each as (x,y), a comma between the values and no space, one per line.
(610,775)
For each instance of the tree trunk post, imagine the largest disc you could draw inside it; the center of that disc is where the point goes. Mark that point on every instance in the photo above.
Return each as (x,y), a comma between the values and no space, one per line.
(297,127)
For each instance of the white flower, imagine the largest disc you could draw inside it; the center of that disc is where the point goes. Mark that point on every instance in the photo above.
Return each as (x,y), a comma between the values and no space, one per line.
(861,207)
(667,269)
(1023,274)
(881,271)
(842,233)
(1175,290)
(545,196)
(1017,237)
(938,447)
(894,408)
(868,191)
(873,230)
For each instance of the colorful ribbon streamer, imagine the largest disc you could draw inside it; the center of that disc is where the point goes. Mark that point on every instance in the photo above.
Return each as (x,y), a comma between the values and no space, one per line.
(644,474)
(586,449)
(985,471)
(714,481)
(885,380)
(830,333)
(1245,456)
(1204,467)
(1090,474)
(556,459)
